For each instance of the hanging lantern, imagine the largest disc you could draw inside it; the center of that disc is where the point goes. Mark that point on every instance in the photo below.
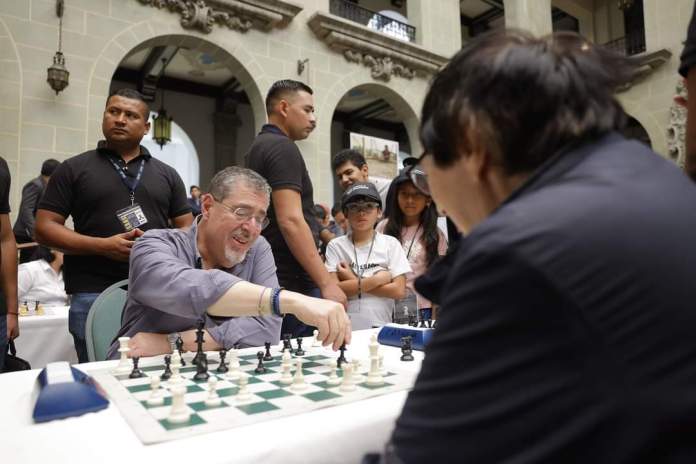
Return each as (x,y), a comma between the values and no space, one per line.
(163,128)
(58,74)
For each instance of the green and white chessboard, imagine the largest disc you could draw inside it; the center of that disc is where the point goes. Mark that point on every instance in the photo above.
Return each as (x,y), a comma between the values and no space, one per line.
(270,398)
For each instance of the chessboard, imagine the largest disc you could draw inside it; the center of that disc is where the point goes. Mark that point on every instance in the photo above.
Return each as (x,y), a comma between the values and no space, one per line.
(267,397)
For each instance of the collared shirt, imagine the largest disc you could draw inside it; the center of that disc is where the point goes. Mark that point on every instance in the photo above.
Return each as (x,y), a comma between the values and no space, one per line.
(38,281)
(168,292)
(88,188)
(278,160)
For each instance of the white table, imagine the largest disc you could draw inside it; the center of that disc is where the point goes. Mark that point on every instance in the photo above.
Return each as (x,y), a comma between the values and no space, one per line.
(44,339)
(340,434)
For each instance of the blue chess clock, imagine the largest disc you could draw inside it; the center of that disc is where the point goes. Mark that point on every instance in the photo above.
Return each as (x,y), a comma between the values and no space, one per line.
(391,335)
(65,392)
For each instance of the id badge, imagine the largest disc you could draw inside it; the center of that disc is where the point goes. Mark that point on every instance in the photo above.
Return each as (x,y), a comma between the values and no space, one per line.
(131,217)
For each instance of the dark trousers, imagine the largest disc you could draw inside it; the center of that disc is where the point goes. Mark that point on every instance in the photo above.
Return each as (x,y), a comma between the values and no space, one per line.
(292,325)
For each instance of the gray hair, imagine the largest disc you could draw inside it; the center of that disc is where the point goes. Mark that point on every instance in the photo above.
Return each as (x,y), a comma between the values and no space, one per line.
(223,183)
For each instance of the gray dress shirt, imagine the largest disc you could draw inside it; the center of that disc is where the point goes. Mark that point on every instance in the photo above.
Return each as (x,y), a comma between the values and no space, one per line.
(167,292)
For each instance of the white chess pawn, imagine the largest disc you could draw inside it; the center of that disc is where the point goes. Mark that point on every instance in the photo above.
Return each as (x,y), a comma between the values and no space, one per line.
(315,338)
(124,366)
(347,385)
(180,412)
(175,366)
(333,379)
(298,382)
(234,371)
(374,376)
(357,376)
(243,392)
(156,398)
(286,365)
(213,397)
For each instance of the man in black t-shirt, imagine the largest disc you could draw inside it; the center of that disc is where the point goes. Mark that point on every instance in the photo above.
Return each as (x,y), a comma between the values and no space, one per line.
(9,326)
(293,230)
(114,193)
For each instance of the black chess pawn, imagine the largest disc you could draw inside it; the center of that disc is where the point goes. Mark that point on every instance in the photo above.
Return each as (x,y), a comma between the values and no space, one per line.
(260,369)
(267,356)
(222,368)
(179,344)
(202,368)
(166,375)
(342,357)
(136,373)
(299,351)
(406,350)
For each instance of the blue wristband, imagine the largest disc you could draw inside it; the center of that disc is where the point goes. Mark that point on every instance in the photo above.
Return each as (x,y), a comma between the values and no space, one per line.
(275,301)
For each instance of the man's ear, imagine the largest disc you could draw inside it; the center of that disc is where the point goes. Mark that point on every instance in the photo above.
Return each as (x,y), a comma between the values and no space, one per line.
(365,169)
(283,107)
(207,202)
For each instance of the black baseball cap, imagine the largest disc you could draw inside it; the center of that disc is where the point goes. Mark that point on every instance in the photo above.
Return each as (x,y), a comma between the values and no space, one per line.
(360,190)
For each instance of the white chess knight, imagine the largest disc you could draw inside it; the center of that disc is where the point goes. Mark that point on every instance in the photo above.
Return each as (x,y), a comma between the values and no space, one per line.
(213,397)
(156,398)
(234,371)
(298,382)
(179,412)
(243,392)
(347,385)
(333,378)
(124,365)
(286,365)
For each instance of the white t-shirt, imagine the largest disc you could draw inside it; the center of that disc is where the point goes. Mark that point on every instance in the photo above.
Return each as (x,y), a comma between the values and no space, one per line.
(37,281)
(386,255)
(382,186)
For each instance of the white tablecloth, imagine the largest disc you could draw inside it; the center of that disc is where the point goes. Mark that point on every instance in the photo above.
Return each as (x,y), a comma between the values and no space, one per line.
(45,339)
(340,434)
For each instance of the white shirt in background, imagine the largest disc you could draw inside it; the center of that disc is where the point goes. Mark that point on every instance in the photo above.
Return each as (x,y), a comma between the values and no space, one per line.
(37,281)
(387,255)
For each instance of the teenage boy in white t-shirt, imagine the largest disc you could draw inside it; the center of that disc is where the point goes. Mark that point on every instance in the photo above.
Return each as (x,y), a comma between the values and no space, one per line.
(369,267)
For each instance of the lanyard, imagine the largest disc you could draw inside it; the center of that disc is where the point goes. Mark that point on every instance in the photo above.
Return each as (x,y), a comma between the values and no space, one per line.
(130,185)
(415,234)
(357,264)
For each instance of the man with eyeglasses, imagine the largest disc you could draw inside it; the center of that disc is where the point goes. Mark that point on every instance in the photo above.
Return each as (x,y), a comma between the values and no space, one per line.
(220,271)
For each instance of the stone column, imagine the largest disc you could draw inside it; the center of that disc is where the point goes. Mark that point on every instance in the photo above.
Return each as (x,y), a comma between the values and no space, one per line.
(531,15)
(226,122)
(437,29)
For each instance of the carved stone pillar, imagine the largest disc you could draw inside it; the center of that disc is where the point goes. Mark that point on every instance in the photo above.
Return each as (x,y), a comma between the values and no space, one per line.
(531,15)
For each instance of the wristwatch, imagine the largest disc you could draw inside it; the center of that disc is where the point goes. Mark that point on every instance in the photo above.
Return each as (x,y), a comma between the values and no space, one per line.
(172,338)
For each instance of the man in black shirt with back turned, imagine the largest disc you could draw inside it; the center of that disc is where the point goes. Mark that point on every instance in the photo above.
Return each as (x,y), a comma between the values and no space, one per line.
(114,194)
(293,230)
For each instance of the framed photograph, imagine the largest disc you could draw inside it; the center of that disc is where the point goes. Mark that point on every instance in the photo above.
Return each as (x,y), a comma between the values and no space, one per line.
(381,154)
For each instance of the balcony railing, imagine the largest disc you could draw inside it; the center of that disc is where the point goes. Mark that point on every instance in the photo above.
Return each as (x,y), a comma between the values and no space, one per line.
(373,20)
(627,45)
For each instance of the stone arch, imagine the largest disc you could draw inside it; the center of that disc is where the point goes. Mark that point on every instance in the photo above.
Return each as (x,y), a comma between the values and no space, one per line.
(405,109)
(143,35)
(652,126)
(10,110)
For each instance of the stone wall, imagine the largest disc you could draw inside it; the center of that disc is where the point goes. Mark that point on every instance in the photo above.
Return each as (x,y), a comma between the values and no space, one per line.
(35,124)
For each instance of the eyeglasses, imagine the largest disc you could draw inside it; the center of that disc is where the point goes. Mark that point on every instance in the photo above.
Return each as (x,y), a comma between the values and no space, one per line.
(418,195)
(368,207)
(244,214)
(420,179)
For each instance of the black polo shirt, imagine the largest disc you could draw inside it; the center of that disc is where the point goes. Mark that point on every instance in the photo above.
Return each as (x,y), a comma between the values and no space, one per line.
(89,188)
(275,157)
(4,209)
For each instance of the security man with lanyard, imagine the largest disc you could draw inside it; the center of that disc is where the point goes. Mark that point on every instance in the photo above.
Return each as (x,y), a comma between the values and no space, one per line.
(114,194)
